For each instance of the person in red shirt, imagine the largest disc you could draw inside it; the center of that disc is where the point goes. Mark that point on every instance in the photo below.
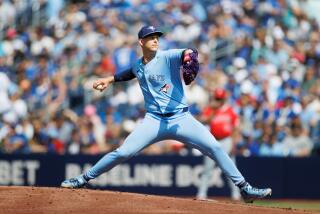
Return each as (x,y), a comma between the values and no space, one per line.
(222,121)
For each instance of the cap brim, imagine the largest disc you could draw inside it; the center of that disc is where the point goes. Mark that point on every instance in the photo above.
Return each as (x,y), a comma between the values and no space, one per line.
(159,33)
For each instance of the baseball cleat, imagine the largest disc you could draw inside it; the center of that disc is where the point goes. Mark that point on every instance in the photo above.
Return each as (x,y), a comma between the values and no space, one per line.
(74,183)
(249,193)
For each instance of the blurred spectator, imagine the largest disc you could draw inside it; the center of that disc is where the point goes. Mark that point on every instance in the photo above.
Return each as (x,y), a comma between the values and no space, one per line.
(270,144)
(7,14)
(124,57)
(297,143)
(15,142)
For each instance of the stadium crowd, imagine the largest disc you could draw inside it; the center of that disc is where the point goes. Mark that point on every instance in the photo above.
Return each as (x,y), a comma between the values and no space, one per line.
(264,53)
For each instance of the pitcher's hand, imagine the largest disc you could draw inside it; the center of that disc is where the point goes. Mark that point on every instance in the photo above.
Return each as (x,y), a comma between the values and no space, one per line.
(101,84)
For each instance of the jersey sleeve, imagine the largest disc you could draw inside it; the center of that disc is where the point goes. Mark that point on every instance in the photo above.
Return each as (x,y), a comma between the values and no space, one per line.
(124,75)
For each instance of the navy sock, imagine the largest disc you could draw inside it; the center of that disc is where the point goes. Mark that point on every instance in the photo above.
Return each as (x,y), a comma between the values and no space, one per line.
(86,177)
(242,184)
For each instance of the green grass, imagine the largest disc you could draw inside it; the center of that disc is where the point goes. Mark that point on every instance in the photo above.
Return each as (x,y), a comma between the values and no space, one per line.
(313,206)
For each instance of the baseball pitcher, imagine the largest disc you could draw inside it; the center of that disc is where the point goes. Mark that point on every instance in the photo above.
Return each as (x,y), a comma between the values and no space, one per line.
(167,117)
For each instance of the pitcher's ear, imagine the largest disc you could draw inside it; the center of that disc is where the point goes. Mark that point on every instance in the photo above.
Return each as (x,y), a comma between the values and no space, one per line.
(140,42)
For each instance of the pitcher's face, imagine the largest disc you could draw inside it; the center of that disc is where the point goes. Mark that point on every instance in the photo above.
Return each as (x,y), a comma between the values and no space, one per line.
(150,43)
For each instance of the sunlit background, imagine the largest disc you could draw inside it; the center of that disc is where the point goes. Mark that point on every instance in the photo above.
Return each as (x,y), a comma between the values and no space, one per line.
(264,53)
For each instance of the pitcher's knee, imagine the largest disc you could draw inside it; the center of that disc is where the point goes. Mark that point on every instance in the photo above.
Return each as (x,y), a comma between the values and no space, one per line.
(123,154)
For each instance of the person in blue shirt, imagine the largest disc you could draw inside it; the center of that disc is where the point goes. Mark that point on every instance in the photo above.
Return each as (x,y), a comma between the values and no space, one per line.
(167,117)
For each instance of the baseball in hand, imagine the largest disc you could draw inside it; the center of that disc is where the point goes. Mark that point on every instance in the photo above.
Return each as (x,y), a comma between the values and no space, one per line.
(99,87)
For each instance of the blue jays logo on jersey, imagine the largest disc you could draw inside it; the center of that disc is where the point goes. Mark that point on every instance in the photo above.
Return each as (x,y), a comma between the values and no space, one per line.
(165,88)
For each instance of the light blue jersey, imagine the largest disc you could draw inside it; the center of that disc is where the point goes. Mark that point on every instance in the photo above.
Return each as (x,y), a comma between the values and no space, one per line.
(167,117)
(161,83)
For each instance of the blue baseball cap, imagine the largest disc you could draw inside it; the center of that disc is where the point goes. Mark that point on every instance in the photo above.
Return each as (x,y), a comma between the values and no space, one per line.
(146,31)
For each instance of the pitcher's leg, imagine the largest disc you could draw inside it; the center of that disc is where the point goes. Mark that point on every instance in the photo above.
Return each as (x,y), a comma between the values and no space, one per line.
(192,132)
(205,178)
(227,145)
(144,135)
(235,192)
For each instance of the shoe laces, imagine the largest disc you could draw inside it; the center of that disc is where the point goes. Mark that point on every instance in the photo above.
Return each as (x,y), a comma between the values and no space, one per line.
(253,189)
(75,182)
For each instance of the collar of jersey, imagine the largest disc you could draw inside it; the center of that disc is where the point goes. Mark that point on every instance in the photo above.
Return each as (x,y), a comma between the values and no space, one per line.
(155,57)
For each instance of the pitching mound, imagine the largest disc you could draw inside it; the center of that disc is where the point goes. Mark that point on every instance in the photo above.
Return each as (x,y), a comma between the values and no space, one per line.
(35,200)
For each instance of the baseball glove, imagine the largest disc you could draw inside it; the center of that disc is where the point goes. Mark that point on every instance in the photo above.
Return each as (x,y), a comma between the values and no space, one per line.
(190,68)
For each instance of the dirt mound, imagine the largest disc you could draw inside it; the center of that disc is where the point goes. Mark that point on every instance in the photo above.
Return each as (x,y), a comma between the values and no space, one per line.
(57,200)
